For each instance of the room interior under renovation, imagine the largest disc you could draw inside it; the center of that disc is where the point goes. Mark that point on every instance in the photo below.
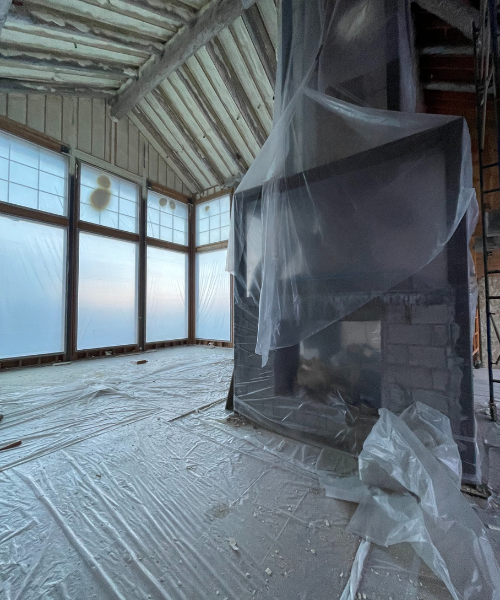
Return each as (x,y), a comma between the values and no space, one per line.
(249,299)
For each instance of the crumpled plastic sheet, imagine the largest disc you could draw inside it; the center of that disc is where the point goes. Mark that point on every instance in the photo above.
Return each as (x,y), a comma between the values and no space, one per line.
(408,491)
(147,510)
(104,394)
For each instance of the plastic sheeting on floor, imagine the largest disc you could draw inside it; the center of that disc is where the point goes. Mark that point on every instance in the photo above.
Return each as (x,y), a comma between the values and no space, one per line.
(206,506)
(52,407)
(156,509)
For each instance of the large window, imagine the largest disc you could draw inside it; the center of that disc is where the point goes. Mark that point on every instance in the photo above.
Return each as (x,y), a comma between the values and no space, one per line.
(167,305)
(213,282)
(32,287)
(107,292)
(33,240)
(213,296)
(106,265)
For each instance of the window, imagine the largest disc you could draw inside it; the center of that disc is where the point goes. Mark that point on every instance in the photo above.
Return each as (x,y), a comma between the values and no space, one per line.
(31,176)
(108,200)
(167,306)
(213,296)
(213,282)
(167,219)
(112,304)
(107,292)
(32,287)
(212,221)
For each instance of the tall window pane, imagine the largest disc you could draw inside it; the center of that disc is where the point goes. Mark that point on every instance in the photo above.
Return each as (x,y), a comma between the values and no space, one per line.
(32,288)
(167,219)
(212,221)
(213,296)
(32,176)
(107,292)
(108,200)
(167,307)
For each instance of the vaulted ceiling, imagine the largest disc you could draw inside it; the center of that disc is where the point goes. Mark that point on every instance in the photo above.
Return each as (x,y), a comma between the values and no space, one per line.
(213,111)
(195,76)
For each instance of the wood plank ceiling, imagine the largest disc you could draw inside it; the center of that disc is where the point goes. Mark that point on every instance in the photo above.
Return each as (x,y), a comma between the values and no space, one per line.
(213,113)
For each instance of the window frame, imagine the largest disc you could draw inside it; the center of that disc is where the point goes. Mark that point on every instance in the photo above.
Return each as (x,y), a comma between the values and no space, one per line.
(210,248)
(38,216)
(73,226)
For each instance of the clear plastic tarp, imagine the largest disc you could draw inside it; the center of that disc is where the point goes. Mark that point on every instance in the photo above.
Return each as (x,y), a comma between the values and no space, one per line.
(350,235)
(166,305)
(32,287)
(107,292)
(32,176)
(213,296)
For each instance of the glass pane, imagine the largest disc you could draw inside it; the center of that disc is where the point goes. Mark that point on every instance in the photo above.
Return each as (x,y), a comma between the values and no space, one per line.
(32,287)
(108,200)
(167,308)
(213,296)
(107,292)
(170,215)
(212,217)
(32,176)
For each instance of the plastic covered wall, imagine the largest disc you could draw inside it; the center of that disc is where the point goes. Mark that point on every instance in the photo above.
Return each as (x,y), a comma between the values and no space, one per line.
(107,292)
(213,296)
(350,238)
(32,287)
(166,307)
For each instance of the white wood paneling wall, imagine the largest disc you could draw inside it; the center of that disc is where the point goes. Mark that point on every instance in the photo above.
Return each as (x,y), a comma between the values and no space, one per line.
(85,124)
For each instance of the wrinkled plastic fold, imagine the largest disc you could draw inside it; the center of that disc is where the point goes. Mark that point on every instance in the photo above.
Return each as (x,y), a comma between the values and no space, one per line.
(411,471)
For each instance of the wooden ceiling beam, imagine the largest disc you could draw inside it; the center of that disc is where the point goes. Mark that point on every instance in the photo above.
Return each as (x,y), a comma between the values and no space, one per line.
(49,88)
(235,88)
(217,126)
(258,34)
(210,21)
(22,18)
(178,120)
(160,144)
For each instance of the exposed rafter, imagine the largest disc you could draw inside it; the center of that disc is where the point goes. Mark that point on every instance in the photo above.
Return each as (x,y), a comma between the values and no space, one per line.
(177,12)
(262,42)
(144,125)
(210,21)
(235,88)
(59,89)
(4,11)
(216,125)
(183,128)
(456,13)
(22,19)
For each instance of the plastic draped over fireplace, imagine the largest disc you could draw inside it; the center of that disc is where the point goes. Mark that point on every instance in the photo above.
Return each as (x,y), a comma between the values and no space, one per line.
(353,281)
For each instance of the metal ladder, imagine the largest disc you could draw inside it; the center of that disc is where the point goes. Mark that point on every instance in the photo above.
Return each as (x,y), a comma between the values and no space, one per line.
(487,80)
